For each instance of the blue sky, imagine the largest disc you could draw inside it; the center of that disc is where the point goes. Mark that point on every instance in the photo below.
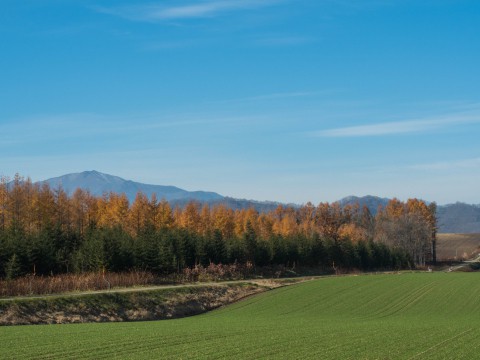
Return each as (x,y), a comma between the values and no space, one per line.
(288,100)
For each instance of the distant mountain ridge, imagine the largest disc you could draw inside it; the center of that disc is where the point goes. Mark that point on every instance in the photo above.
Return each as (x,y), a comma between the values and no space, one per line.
(99,183)
(457,218)
(452,218)
(371,202)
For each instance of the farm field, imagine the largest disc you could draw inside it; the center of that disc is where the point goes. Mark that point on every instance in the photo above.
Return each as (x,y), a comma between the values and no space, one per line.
(391,316)
(457,246)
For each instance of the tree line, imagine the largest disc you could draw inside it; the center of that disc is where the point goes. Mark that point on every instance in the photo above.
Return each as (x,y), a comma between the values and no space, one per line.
(45,231)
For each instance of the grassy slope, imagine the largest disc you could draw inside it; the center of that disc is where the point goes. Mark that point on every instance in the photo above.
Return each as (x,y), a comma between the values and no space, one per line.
(422,315)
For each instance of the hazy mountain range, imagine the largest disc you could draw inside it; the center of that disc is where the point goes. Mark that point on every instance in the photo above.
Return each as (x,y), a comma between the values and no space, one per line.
(98,184)
(452,218)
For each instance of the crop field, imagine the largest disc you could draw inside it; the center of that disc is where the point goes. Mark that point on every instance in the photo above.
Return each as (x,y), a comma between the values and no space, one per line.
(392,316)
(457,246)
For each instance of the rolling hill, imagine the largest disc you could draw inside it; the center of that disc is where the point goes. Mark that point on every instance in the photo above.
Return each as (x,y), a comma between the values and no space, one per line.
(457,246)
(392,316)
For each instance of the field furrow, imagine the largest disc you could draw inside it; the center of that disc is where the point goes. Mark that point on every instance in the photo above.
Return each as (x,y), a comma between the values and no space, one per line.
(406,316)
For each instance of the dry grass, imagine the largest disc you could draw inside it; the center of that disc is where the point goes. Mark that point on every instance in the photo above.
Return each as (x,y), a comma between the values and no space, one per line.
(59,284)
(43,285)
(218,272)
(457,246)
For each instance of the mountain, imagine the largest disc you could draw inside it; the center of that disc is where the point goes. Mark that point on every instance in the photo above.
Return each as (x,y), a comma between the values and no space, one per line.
(453,218)
(98,184)
(238,204)
(459,218)
(371,202)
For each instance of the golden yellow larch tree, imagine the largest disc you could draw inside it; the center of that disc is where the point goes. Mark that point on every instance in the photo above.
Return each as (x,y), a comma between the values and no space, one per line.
(138,216)
(80,207)
(3,201)
(177,217)
(16,205)
(43,207)
(306,218)
(239,221)
(190,217)
(164,215)
(419,207)
(223,219)
(205,221)
(153,206)
(63,209)
(120,208)
(352,232)
(29,190)
(278,213)
(265,226)
(92,214)
(288,224)
(101,210)
(395,208)
(251,216)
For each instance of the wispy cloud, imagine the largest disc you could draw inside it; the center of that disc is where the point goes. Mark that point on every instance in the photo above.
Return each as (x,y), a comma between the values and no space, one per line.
(399,127)
(205,9)
(449,165)
(47,129)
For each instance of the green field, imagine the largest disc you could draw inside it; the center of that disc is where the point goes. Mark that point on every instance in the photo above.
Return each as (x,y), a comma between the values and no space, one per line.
(405,316)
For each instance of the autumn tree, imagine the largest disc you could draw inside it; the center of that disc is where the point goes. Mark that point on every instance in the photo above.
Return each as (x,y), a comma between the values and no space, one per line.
(250,238)
(164,217)
(80,207)
(53,232)
(329,219)
(44,207)
(63,210)
(190,217)
(3,202)
(224,220)
(406,226)
(306,219)
(139,214)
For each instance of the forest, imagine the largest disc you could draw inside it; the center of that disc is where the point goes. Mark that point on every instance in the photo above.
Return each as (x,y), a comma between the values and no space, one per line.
(44,231)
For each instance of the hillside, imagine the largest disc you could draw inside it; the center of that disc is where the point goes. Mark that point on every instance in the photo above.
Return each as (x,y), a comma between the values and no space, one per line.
(459,218)
(395,316)
(457,246)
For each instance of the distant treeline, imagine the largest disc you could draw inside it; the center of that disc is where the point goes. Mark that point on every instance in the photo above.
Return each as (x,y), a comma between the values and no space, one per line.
(44,231)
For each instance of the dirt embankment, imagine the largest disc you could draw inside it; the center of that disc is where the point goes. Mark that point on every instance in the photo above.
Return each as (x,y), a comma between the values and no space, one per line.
(126,306)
